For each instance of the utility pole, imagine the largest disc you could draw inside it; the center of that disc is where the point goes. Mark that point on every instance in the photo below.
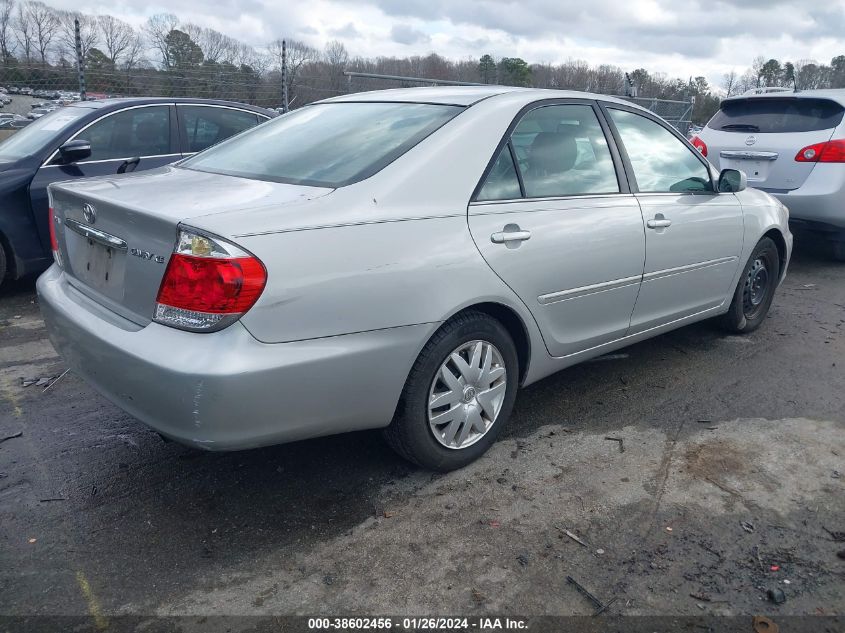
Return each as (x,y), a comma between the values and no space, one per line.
(284,76)
(80,61)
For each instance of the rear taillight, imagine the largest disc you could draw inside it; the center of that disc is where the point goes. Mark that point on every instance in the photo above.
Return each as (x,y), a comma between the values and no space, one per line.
(827,152)
(54,243)
(700,145)
(208,284)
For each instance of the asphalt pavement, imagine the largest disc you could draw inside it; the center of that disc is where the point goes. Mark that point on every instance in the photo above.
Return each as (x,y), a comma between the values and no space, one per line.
(727,482)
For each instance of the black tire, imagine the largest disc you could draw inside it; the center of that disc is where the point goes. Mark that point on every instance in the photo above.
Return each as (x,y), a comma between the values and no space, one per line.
(838,251)
(409,433)
(755,290)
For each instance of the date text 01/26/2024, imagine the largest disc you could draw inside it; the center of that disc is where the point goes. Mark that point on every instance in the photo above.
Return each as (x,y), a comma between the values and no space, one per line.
(418,624)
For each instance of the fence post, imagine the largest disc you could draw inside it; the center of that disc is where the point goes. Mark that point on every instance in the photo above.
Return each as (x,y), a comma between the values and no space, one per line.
(80,61)
(284,76)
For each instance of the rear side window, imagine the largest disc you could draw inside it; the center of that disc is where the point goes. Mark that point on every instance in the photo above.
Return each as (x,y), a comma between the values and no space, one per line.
(562,151)
(502,182)
(204,126)
(325,145)
(777,115)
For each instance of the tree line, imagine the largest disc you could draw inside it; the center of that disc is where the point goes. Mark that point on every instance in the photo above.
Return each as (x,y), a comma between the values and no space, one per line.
(169,57)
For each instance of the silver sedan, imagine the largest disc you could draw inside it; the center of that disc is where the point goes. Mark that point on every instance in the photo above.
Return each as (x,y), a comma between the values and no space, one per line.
(404,259)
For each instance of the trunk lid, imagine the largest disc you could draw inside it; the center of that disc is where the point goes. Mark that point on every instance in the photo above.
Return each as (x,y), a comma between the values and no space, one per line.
(761,136)
(116,234)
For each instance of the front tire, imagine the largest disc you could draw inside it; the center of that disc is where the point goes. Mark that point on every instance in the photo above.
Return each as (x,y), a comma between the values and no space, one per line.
(3,269)
(755,290)
(458,395)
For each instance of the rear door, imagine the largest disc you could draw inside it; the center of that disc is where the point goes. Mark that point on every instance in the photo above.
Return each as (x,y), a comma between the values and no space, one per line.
(134,138)
(693,234)
(204,125)
(762,135)
(554,219)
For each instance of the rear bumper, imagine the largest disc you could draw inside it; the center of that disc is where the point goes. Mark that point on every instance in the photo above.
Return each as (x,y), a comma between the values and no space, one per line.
(226,390)
(821,199)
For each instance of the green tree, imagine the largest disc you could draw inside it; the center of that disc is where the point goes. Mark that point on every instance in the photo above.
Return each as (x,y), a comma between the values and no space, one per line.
(771,73)
(182,51)
(487,69)
(514,71)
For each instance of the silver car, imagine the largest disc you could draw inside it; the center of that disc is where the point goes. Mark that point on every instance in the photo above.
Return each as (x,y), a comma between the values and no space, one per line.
(403,259)
(791,145)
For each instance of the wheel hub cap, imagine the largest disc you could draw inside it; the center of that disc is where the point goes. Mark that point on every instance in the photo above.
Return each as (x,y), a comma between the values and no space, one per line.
(467,394)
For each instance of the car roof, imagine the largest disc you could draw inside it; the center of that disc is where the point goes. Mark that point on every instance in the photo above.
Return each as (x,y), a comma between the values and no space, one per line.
(124,101)
(464,95)
(834,94)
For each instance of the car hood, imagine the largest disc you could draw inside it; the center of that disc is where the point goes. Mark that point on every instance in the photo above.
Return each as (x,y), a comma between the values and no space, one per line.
(184,194)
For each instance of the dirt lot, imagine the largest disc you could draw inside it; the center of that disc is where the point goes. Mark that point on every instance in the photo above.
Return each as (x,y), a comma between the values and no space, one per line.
(730,484)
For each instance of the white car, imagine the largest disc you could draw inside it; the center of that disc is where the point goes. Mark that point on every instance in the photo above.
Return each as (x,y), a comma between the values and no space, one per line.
(792,146)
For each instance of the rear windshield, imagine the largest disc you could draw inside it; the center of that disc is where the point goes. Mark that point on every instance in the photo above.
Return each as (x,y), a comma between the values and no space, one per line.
(775,115)
(325,145)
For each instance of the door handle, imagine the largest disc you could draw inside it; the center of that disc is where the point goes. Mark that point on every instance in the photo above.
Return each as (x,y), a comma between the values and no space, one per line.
(658,223)
(502,237)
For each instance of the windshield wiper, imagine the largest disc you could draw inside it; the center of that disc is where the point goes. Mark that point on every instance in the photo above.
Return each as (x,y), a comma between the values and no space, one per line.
(741,126)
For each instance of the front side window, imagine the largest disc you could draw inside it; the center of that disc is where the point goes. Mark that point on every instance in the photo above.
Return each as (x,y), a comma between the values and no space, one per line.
(134,132)
(562,151)
(325,145)
(661,162)
(204,126)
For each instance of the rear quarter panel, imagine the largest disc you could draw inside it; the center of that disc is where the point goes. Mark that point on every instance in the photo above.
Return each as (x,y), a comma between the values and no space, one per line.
(345,279)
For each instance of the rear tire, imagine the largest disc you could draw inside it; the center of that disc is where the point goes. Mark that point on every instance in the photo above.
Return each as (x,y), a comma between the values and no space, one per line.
(458,395)
(838,251)
(755,290)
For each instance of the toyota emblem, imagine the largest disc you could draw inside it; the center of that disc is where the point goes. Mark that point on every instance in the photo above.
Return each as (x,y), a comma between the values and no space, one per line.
(89,213)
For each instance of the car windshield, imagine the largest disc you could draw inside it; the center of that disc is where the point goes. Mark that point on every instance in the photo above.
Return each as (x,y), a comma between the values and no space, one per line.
(325,145)
(777,115)
(35,136)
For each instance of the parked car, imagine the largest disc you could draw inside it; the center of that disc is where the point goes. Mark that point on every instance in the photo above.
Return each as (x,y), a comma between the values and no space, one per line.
(15,122)
(94,139)
(402,259)
(37,113)
(791,145)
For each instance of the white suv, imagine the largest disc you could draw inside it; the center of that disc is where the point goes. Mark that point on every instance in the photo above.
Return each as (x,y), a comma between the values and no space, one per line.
(791,145)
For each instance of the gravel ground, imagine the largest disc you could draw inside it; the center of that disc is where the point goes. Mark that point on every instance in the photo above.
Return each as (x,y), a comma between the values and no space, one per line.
(729,485)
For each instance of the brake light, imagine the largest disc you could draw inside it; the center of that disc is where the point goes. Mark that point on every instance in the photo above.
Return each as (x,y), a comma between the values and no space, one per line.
(827,152)
(208,284)
(700,145)
(54,243)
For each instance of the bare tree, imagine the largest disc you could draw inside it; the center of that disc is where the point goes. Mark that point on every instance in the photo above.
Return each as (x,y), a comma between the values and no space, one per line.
(336,58)
(67,32)
(45,27)
(6,24)
(133,56)
(298,54)
(24,33)
(729,83)
(116,36)
(215,45)
(157,28)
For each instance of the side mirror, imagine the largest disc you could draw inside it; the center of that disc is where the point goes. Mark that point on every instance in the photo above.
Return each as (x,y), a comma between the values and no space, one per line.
(732,180)
(74,151)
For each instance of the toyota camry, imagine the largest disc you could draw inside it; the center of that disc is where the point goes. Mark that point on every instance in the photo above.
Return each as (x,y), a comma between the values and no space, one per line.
(402,259)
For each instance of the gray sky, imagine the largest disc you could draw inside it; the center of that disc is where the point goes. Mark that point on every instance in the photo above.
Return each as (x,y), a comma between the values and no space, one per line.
(678,37)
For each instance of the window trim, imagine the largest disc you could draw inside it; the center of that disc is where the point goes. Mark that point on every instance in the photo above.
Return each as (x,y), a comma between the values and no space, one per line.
(75,135)
(618,167)
(183,138)
(606,106)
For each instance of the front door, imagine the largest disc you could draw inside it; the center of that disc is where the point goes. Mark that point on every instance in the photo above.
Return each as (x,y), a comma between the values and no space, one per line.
(693,234)
(552,220)
(134,139)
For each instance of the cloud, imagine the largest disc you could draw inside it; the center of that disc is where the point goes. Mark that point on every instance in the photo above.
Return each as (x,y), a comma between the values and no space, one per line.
(346,32)
(406,34)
